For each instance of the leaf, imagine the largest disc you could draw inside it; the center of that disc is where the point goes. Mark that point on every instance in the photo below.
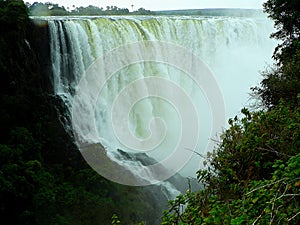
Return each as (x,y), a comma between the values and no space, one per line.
(255,200)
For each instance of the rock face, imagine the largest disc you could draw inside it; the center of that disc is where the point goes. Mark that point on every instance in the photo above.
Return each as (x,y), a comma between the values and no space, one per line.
(38,40)
(178,181)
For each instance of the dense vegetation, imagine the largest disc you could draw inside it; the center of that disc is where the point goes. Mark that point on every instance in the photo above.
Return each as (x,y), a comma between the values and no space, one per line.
(283,81)
(50,9)
(253,175)
(43,178)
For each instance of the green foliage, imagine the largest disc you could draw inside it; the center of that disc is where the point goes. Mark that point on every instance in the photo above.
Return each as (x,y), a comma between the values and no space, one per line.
(272,201)
(252,176)
(142,11)
(115,220)
(12,12)
(94,10)
(50,9)
(286,15)
(283,82)
(47,9)
(250,147)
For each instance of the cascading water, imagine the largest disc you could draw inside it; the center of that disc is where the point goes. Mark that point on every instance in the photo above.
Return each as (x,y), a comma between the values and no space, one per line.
(235,49)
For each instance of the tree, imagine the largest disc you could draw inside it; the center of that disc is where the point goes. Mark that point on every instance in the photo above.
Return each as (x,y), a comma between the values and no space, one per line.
(286,15)
(283,82)
(142,11)
(47,9)
(39,9)
(12,12)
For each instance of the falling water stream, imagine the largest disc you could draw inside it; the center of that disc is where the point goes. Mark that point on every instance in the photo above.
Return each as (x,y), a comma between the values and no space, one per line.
(233,49)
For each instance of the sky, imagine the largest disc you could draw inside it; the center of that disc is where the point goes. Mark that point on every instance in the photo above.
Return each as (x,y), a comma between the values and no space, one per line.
(160,4)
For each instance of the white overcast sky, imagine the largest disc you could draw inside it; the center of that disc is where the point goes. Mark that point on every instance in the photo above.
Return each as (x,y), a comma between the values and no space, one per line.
(161,4)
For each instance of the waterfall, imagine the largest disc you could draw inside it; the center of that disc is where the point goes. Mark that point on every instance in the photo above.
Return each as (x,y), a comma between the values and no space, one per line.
(154,86)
